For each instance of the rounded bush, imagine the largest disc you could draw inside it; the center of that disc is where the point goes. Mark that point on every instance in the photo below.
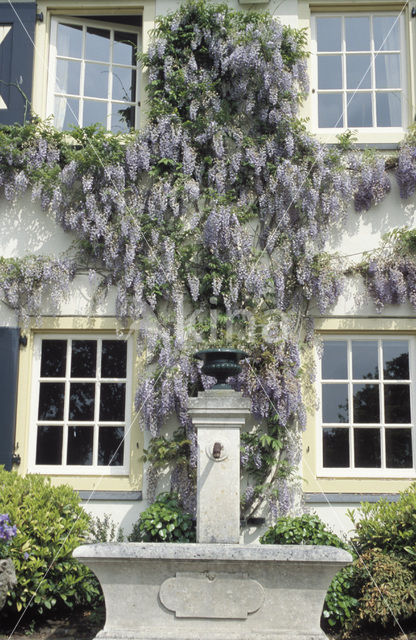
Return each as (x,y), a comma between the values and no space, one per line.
(50,523)
(385,589)
(340,602)
(164,521)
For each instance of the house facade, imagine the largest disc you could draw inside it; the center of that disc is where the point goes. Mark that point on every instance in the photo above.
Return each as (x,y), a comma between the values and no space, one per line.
(76,63)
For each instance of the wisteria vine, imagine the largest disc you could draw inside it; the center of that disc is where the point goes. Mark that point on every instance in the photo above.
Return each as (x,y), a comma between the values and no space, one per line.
(210,223)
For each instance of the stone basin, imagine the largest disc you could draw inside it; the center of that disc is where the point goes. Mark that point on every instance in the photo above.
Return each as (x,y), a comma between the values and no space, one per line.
(163,591)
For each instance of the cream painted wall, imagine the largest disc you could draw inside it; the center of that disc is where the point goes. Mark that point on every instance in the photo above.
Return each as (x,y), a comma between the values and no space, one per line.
(285,10)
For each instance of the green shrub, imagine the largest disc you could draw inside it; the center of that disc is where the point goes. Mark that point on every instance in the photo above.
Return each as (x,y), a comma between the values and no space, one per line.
(385,589)
(50,524)
(340,602)
(164,521)
(388,526)
(104,530)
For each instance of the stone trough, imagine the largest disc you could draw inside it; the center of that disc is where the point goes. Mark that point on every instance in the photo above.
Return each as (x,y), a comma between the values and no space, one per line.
(212,592)
(215,589)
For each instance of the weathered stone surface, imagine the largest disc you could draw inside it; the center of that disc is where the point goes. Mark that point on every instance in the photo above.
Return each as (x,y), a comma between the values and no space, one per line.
(7,579)
(218,416)
(294,580)
(211,595)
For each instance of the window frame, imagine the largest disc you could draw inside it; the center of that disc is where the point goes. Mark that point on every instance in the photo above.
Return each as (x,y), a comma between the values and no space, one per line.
(366,472)
(85,22)
(373,133)
(77,470)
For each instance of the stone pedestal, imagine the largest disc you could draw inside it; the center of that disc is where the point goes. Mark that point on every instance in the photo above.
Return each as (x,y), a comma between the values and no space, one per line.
(218,416)
(165,591)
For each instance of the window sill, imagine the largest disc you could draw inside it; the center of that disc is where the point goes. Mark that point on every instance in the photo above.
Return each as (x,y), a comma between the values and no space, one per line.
(367,473)
(387,139)
(56,470)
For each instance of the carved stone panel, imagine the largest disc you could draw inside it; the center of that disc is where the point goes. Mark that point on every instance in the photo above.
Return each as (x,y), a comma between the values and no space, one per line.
(211,595)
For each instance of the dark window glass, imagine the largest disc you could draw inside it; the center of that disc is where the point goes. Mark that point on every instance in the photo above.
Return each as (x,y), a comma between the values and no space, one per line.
(357,33)
(114,359)
(124,48)
(329,34)
(49,445)
(69,40)
(336,451)
(80,443)
(53,363)
(359,110)
(81,401)
(399,448)
(51,401)
(366,403)
(84,359)
(364,360)
(110,447)
(367,448)
(397,403)
(396,359)
(112,402)
(335,403)
(334,360)
(330,112)
(97,44)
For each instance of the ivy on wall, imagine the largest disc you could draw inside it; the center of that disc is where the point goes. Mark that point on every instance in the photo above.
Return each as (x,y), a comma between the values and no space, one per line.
(211,223)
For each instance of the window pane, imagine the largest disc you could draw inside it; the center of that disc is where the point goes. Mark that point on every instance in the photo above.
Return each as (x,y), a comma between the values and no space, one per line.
(366,403)
(84,358)
(122,117)
(329,72)
(66,113)
(51,401)
(397,403)
(53,363)
(335,403)
(367,448)
(336,451)
(357,33)
(81,401)
(124,84)
(69,40)
(389,109)
(125,48)
(80,443)
(97,44)
(94,112)
(96,80)
(358,71)
(359,110)
(386,31)
(110,447)
(334,360)
(113,402)
(114,359)
(328,34)
(68,75)
(330,110)
(399,448)
(388,71)
(396,359)
(49,445)
(364,360)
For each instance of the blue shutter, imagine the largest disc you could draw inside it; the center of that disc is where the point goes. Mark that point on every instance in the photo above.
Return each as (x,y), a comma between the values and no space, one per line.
(17,31)
(9,362)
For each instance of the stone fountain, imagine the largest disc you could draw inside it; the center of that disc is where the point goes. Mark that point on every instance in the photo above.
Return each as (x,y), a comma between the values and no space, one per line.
(215,589)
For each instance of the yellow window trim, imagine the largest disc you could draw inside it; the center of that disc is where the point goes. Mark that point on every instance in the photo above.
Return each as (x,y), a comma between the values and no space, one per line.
(65,325)
(50,8)
(311,481)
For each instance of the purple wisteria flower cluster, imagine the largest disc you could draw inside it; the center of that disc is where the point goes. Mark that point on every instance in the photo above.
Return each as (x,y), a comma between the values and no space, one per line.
(214,214)
(7,533)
